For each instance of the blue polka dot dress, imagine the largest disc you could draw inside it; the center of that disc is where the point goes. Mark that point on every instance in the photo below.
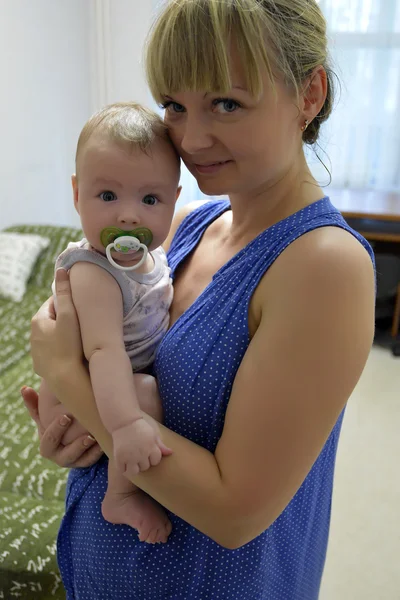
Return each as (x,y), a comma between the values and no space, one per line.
(195,365)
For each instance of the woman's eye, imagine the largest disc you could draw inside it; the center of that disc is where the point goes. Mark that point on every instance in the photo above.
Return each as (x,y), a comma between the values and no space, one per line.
(150,200)
(108,196)
(173,107)
(226,105)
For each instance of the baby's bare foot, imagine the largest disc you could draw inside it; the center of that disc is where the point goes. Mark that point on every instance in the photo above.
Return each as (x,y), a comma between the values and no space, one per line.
(140,511)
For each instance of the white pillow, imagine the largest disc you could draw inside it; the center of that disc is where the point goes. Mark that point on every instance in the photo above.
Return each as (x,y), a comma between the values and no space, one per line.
(18,255)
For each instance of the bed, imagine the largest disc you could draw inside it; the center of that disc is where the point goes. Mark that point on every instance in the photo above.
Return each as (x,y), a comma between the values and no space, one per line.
(31,488)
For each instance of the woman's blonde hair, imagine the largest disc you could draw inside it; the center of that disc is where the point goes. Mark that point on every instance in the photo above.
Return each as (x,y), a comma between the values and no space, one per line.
(124,122)
(188,47)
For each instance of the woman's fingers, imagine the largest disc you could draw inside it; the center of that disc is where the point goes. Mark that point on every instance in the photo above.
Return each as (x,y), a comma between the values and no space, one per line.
(46,311)
(31,401)
(50,443)
(42,324)
(63,289)
(56,342)
(89,457)
(51,308)
(82,452)
(63,293)
(67,320)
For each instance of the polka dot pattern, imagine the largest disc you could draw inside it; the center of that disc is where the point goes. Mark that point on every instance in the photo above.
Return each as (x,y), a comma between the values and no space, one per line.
(195,365)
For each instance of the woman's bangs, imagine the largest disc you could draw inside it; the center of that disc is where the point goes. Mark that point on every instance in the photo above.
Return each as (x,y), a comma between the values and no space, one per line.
(193,62)
(189,50)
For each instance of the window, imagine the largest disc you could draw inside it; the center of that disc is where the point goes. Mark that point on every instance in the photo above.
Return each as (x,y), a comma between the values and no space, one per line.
(362,137)
(360,143)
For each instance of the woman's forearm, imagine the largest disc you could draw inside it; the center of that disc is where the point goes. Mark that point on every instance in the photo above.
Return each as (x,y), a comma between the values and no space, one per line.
(188,483)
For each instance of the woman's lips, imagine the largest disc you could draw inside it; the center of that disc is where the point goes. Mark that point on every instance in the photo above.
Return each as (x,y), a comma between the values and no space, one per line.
(212,167)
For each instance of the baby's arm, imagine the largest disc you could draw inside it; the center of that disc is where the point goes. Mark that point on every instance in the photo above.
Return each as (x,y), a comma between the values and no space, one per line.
(98,301)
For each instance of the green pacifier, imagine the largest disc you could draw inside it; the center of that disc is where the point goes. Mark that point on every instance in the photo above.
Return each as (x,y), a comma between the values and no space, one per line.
(126,242)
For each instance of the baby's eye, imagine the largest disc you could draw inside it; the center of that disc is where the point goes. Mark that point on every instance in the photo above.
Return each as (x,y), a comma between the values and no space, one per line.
(150,200)
(108,196)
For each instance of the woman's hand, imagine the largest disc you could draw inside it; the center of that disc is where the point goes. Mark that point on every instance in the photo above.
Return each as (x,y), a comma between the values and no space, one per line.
(56,344)
(82,452)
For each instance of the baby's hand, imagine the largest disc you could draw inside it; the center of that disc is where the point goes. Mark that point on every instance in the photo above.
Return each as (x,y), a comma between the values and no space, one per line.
(137,447)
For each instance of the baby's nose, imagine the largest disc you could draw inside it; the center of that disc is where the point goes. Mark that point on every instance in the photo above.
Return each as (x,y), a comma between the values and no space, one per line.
(128,219)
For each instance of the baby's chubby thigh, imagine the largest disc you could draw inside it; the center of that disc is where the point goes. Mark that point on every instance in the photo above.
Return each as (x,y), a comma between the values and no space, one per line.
(50,409)
(146,389)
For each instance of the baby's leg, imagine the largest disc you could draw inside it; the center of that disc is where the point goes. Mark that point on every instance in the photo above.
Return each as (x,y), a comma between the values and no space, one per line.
(50,408)
(126,503)
(148,396)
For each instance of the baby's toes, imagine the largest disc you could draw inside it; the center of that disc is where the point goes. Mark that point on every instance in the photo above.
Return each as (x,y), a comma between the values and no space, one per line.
(144,533)
(154,537)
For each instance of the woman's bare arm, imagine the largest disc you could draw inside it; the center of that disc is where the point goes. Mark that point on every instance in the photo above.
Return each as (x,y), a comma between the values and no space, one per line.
(300,368)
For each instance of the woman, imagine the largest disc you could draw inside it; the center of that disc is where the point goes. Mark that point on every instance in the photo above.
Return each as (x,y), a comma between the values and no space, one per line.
(271,326)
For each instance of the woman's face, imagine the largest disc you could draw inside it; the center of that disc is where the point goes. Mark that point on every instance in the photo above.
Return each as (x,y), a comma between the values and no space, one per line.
(237,143)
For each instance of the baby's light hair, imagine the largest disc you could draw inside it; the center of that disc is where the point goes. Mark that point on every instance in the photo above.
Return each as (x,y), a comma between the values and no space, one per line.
(124,122)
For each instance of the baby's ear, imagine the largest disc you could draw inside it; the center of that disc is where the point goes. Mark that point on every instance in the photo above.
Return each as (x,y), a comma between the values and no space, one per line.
(75,192)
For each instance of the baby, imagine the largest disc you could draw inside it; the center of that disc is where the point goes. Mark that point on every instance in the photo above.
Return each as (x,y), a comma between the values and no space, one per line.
(125,189)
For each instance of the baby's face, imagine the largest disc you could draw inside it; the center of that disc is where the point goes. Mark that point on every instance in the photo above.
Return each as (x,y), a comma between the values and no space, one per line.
(126,188)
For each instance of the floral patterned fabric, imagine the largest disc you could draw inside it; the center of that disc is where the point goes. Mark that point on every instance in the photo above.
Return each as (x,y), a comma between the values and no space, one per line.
(31,489)
(18,255)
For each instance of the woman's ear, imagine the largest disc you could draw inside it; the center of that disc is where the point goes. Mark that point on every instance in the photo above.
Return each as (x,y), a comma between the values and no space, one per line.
(75,192)
(314,93)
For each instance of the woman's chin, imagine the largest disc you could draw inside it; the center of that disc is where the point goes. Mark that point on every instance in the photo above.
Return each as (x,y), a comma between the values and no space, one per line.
(213,188)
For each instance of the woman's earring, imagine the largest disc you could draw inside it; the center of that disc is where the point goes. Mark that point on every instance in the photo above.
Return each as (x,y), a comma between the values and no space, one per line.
(306,124)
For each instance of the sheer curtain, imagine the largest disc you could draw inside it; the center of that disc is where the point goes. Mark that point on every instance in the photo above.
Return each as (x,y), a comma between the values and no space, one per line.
(362,138)
(360,144)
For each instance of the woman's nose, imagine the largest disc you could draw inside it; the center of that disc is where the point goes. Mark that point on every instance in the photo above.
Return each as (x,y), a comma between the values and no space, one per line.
(195,136)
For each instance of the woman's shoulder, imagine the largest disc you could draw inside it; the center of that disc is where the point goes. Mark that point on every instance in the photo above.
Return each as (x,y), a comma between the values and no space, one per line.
(327,258)
(181,215)
(323,255)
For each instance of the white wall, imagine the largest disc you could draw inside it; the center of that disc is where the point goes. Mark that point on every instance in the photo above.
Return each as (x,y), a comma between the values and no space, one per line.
(44,66)
(130,21)
(59,62)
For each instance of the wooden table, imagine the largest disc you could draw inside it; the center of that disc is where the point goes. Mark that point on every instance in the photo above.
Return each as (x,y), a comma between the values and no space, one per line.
(376,215)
